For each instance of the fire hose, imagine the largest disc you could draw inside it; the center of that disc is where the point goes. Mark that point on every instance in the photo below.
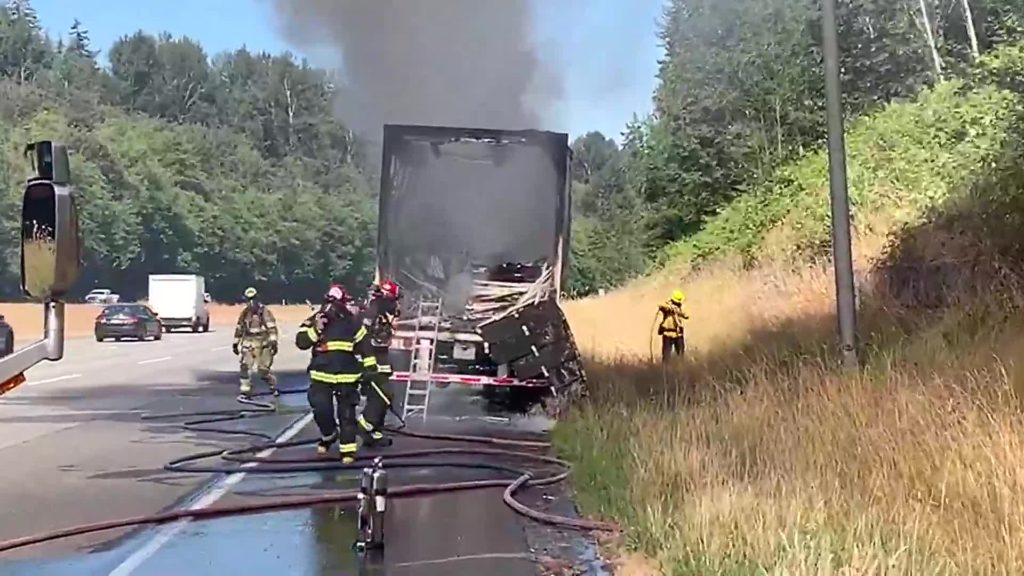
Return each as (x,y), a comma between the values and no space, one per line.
(248,461)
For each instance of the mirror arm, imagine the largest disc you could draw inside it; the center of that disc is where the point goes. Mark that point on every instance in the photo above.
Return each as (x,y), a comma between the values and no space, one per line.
(53,330)
(51,347)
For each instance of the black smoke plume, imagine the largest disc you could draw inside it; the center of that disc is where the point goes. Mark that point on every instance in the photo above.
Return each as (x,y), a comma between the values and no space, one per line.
(448,62)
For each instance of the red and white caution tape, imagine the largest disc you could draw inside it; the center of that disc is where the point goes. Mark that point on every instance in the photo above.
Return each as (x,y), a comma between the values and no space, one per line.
(468,380)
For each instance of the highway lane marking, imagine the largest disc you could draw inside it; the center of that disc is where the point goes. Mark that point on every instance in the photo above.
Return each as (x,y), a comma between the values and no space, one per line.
(54,379)
(220,348)
(203,499)
(154,360)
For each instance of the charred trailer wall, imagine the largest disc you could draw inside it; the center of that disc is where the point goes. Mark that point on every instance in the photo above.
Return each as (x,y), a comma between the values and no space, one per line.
(455,200)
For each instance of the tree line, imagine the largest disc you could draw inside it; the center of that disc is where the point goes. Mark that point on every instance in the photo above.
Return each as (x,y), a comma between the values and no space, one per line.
(233,166)
(740,95)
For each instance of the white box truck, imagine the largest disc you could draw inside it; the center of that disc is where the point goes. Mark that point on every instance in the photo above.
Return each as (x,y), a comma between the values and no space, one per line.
(180,301)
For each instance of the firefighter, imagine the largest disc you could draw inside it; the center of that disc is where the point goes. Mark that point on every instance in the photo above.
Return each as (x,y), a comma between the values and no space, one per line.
(340,355)
(255,343)
(6,337)
(671,326)
(378,318)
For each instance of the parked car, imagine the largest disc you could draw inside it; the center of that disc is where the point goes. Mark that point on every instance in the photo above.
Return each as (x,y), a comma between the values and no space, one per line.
(102,296)
(120,321)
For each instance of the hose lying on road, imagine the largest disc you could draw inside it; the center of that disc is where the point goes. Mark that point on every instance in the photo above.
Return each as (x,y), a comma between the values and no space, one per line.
(255,464)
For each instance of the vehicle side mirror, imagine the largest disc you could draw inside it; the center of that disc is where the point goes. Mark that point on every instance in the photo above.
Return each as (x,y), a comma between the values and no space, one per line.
(51,253)
(50,239)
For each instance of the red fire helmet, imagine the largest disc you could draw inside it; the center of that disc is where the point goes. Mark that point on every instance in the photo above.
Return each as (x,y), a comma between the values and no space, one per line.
(391,289)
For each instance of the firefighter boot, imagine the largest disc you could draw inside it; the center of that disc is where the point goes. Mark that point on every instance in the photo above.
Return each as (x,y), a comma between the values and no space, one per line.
(271,381)
(372,438)
(245,387)
(324,445)
(347,456)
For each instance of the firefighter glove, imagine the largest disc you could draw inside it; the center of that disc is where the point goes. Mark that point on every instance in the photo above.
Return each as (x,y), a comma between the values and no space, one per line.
(234,348)
(320,322)
(273,347)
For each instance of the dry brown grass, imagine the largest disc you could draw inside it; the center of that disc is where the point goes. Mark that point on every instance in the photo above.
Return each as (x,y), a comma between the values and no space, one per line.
(27,319)
(758,456)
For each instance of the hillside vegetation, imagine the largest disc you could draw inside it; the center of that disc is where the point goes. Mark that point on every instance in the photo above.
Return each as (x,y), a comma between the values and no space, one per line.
(758,454)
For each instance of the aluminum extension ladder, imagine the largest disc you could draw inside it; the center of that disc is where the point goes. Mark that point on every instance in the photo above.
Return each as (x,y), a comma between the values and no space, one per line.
(421,365)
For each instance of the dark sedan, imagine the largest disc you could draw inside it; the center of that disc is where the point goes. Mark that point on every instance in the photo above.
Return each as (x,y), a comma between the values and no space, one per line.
(119,321)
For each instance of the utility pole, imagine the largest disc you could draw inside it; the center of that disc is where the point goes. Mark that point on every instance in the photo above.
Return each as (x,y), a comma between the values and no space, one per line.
(842,251)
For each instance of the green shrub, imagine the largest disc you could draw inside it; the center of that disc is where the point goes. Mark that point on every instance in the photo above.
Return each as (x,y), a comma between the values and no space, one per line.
(901,162)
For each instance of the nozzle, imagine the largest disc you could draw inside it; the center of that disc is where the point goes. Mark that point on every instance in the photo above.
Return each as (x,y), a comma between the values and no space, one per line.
(380,482)
(366,482)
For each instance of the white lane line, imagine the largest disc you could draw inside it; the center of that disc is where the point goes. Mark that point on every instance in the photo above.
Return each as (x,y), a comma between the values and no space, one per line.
(54,379)
(154,360)
(220,348)
(204,499)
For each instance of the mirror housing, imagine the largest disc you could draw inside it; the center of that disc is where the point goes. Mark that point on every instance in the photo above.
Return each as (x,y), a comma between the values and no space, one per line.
(51,246)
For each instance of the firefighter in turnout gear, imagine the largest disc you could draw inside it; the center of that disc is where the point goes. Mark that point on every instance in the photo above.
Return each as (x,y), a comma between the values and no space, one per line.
(341,355)
(255,343)
(378,318)
(671,326)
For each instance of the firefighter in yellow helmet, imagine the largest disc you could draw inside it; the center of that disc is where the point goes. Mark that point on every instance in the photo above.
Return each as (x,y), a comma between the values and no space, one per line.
(255,343)
(671,326)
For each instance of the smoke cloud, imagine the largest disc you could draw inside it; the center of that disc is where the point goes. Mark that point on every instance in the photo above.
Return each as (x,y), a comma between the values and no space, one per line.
(449,62)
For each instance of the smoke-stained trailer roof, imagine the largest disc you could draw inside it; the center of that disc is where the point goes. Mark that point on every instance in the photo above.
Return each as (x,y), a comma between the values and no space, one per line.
(456,198)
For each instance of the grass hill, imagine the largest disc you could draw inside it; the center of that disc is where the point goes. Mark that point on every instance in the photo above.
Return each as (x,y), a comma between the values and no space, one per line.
(758,454)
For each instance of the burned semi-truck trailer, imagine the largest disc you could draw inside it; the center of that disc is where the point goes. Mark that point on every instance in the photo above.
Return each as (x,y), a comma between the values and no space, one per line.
(474,224)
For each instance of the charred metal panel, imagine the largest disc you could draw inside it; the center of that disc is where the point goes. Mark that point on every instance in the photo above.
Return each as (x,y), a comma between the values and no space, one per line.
(455,202)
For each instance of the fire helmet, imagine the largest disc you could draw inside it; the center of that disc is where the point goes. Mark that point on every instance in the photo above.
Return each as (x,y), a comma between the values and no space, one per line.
(336,293)
(390,289)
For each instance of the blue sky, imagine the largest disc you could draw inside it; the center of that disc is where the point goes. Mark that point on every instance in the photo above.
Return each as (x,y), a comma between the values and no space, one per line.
(606,50)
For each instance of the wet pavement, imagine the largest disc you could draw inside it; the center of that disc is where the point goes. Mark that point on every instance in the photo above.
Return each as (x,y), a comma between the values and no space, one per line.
(469,532)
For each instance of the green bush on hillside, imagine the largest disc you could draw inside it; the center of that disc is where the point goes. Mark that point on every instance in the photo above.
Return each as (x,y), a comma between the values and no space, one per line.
(900,161)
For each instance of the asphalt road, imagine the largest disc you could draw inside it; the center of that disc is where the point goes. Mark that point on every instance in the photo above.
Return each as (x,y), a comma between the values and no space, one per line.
(73,450)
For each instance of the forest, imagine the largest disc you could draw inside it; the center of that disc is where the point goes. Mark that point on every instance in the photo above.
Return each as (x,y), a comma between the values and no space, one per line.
(740,101)
(232,166)
(236,166)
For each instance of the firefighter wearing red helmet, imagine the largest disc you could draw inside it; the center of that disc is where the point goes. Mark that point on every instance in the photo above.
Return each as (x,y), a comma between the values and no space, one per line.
(341,354)
(378,318)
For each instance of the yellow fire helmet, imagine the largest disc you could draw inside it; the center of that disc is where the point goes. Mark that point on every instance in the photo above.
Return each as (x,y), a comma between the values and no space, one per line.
(250,292)
(678,296)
